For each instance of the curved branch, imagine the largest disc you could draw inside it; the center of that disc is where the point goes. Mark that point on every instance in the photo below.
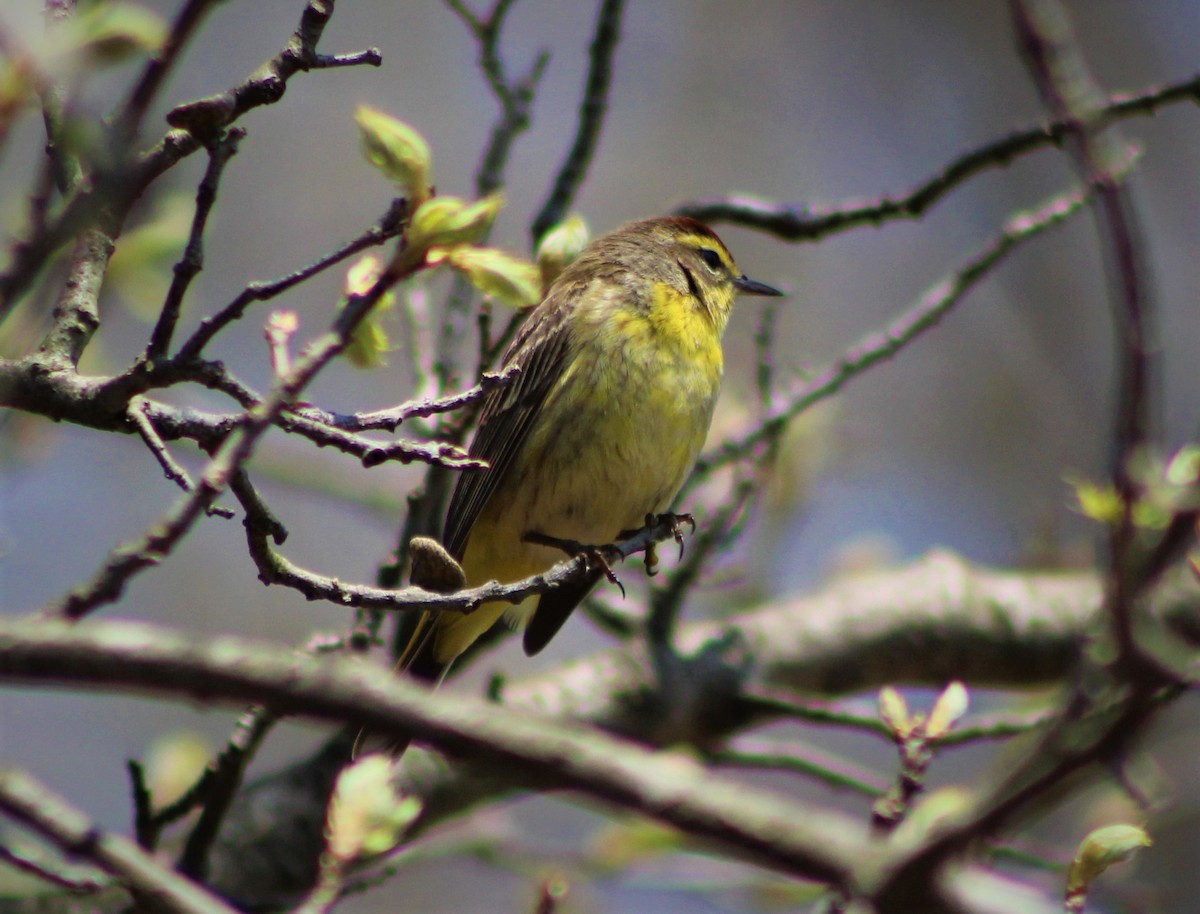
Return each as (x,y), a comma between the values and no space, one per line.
(34,805)
(797,222)
(591,119)
(765,829)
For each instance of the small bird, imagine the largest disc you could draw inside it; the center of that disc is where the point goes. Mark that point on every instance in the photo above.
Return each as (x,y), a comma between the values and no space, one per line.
(619,370)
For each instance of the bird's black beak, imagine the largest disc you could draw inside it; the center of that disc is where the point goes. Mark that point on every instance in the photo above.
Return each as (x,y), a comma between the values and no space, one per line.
(754,287)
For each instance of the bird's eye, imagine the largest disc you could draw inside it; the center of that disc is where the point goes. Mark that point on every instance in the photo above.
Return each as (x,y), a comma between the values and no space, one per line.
(711,259)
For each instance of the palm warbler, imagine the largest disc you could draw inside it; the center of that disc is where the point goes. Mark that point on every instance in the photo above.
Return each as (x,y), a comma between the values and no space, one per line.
(620,366)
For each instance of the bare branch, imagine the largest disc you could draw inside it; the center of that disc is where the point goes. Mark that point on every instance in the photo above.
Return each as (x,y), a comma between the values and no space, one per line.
(882,346)
(389,226)
(274,568)
(797,222)
(156,70)
(33,805)
(114,191)
(1044,32)
(763,828)
(73,879)
(130,558)
(796,758)
(389,419)
(591,119)
(138,408)
(219,154)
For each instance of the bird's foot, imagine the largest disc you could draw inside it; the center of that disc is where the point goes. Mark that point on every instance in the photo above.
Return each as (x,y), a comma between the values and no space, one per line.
(595,558)
(675,522)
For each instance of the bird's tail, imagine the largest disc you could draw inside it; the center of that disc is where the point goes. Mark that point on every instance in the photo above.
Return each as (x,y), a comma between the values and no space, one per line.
(419,662)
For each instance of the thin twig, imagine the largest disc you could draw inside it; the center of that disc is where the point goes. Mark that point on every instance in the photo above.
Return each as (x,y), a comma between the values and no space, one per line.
(32,804)
(132,557)
(192,262)
(274,568)
(389,226)
(516,100)
(220,785)
(389,419)
(154,74)
(764,360)
(879,347)
(764,704)
(809,761)
(111,192)
(797,222)
(716,531)
(73,879)
(138,415)
(1044,31)
(591,119)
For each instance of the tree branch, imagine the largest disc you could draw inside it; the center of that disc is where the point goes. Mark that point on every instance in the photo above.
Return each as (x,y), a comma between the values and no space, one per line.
(879,347)
(797,222)
(33,805)
(764,829)
(591,118)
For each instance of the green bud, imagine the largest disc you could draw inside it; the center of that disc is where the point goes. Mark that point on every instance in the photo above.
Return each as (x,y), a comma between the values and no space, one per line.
(398,151)
(369,343)
(366,815)
(1100,850)
(1184,467)
(111,33)
(950,706)
(496,274)
(559,247)
(446,221)
(893,710)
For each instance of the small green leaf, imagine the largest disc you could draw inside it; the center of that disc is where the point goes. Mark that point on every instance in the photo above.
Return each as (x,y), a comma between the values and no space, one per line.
(893,710)
(1184,468)
(949,708)
(1100,503)
(113,32)
(397,150)
(1100,850)
(447,221)
(496,274)
(369,342)
(366,816)
(559,246)
(929,813)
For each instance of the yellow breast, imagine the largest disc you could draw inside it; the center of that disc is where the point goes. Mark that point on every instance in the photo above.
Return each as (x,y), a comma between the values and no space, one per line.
(617,436)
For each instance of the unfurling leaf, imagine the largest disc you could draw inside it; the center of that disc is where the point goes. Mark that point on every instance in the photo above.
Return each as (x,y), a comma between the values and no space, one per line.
(950,706)
(366,815)
(398,151)
(113,32)
(496,274)
(1100,850)
(369,343)
(893,710)
(446,221)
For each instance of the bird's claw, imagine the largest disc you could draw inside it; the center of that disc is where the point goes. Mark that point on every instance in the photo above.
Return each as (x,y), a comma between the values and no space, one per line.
(675,522)
(594,557)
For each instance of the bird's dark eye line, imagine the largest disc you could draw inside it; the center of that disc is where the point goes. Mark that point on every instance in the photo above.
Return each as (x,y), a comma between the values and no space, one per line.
(693,288)
(711,258)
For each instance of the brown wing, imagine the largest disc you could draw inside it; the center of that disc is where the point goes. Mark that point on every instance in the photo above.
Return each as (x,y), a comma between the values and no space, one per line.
(540,348)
